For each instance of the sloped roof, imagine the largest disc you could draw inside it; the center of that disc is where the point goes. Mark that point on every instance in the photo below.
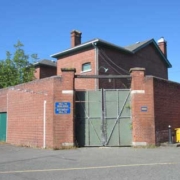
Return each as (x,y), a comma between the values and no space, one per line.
(91,43)
(46,62)
(131,49)
(137,45)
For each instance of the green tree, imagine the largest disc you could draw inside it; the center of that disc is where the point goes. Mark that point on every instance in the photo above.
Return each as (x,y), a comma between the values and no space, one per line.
(16,68)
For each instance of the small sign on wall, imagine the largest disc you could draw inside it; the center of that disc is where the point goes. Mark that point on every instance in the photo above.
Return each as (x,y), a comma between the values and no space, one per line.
(144,109)
(62,107)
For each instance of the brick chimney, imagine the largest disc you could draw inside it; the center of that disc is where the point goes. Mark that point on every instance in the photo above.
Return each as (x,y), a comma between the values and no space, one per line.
(162,43)
(75,38)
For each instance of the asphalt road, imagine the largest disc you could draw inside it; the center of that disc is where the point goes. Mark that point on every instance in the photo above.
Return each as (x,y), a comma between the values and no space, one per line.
(20,163)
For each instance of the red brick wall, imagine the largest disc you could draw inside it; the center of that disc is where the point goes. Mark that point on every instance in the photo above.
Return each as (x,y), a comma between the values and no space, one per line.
(150,59)
(167,107)
(45,71)
(162,100)
(25,113)
(64,123)
(147,58)
(25,109)
(142,96)
(76,61)
(117,63)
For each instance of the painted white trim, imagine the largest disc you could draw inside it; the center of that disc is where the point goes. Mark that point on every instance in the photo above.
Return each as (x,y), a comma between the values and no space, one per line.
(44,127)
(76,47)
(86,71)
(161,40)
(139,143)
(67,144)
(137,91)
(7,118)
(67,91)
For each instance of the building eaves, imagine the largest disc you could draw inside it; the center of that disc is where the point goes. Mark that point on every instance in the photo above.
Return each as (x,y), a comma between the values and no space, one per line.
(92,43)
(46,62)
(132,49)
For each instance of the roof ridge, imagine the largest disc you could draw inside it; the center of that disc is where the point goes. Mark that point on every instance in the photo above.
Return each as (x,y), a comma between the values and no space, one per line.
(138,42)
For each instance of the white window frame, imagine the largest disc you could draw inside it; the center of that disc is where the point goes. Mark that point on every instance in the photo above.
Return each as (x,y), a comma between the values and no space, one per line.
(87,70)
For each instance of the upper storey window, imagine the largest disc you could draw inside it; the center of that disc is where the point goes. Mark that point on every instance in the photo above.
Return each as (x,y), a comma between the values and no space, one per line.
(86,67)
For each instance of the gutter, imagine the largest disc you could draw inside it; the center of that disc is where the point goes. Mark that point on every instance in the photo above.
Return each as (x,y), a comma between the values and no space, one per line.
(88,44)
(74,48)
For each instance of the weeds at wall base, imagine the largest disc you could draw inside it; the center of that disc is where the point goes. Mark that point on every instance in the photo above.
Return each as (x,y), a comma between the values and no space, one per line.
(3,142)
(65,148)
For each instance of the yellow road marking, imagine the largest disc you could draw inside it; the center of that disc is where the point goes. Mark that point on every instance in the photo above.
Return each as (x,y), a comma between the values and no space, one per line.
(84,168)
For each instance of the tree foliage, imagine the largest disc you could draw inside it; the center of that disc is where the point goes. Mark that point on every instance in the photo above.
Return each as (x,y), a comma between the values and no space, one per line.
(16,68)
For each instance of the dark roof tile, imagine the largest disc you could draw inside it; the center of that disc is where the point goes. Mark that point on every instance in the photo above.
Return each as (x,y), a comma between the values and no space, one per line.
(46,62)
(137,45)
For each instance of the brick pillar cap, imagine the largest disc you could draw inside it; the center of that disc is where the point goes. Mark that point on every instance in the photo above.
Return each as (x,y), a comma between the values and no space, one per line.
(68,69)
(137,69)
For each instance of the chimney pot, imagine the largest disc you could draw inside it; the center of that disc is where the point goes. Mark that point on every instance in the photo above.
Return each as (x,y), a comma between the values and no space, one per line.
(162,43)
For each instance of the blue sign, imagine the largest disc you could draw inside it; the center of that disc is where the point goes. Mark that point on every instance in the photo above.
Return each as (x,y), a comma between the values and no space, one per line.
(144,109)
(62,107)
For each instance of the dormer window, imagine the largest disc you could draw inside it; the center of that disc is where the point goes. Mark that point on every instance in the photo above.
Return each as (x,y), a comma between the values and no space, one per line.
(86,67)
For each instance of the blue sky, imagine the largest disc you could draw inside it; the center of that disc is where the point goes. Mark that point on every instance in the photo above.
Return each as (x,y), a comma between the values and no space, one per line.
(44,26)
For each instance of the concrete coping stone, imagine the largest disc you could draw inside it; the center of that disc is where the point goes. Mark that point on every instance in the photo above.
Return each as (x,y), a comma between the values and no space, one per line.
(68,69)
(137,69)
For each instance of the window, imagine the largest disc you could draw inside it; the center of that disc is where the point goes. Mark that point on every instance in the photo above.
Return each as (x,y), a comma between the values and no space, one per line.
(86,67)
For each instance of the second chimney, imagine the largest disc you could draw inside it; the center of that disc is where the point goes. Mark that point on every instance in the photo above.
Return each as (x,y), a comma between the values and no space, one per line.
(75,38)
(162,43)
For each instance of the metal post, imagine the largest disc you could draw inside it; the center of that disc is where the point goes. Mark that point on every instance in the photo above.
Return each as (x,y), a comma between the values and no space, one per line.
(170,134)
(103,121)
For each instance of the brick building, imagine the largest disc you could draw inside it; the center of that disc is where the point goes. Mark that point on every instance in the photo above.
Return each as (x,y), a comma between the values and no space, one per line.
(98,57)
(47,113)
(45,68)
(28,114)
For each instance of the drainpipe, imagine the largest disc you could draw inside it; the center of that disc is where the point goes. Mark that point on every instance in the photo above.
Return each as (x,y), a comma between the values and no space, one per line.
(44,127)
(96,64)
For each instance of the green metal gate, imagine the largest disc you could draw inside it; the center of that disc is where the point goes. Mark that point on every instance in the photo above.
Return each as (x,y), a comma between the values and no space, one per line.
(103,118)
(2,126)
